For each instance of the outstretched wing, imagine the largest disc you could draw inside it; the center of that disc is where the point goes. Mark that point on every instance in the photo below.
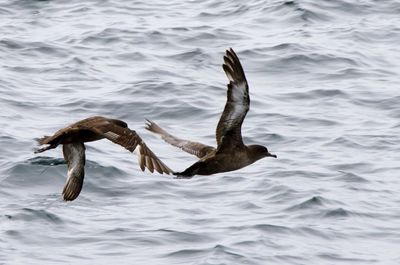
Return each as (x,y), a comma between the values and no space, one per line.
(73,130)
(129,139)
(198,149)
(237,105)
(74,155)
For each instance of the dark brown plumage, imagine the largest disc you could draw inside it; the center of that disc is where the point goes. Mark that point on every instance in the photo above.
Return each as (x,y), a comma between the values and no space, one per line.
(92,129)
(231,153)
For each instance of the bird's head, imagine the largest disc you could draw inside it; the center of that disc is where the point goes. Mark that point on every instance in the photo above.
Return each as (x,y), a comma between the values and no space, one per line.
(257,152)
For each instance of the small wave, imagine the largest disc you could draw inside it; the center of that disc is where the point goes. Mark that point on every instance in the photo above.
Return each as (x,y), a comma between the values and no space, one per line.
(248,205)
(106,36)
(293,11)
(268,228)
(33,215)
(173,236)
(187,253)
(132,56)
(308,231)
(12,44)
(345,141)
(288,47)
(316,94)
(313,61)
(196,55)
(337,213)
(213,254)
(312,122)
(352,177)
(341,258)
(6,12)
(233,10)
(358,166)
(390,103)
(272,228)
(314,202)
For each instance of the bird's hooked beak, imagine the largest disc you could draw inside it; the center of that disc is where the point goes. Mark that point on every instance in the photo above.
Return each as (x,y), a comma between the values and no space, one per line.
(271,155)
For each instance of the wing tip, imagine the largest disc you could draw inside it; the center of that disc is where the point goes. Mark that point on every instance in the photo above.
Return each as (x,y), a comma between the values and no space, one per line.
(229,72)
(231,51)
(72,189)
(147,159)
(233,68)
(155,128)
(149,125)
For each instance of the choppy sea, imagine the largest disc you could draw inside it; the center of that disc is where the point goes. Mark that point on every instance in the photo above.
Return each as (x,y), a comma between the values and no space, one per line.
(324,82)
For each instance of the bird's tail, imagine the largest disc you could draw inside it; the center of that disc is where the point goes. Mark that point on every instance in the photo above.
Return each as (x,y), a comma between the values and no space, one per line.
(190,171)
(43,140)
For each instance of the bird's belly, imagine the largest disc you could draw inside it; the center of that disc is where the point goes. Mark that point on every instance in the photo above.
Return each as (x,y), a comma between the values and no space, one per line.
(224,164)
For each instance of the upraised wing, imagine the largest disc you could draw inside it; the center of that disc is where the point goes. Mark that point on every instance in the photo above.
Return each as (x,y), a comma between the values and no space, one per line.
(198,149)
(229,127)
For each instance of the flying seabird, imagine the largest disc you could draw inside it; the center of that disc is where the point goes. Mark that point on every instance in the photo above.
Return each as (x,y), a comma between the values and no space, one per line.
(91,129)
(230,153)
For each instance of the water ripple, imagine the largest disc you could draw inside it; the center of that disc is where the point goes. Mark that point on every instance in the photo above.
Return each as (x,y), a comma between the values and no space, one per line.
(323,81)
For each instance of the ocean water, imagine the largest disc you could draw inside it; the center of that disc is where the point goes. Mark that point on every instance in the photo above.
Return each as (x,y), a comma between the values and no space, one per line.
(324,82)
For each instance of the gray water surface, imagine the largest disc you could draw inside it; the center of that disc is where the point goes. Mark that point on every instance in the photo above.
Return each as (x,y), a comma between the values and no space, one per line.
(324,85)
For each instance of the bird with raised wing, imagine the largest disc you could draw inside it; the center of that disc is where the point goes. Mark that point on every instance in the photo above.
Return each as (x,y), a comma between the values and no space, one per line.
(231,153)
(91,129)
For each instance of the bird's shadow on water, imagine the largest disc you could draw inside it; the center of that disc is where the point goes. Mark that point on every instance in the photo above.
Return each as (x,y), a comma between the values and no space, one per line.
(45,176)
(46,161)
(29,173)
